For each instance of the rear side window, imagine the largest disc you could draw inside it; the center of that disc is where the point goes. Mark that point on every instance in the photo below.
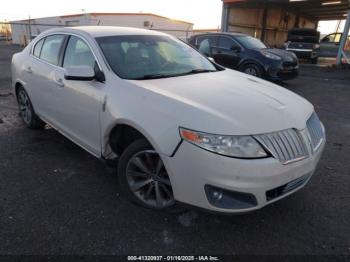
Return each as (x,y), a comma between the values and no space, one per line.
(211,39)
(37,47)
(51,49)
(78,53)
(205,43)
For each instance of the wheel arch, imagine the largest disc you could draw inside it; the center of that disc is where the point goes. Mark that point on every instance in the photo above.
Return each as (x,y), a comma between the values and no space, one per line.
(17,85)
(121,134)
(250,61)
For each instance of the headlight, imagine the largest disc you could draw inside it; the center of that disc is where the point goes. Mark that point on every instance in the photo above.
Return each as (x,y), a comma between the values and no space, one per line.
(270,55)
(233,146)
(286,44)
(316,46)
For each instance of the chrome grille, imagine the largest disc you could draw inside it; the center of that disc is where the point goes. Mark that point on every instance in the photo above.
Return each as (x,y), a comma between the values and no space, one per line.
(299,45)
(287,146)
(316,132)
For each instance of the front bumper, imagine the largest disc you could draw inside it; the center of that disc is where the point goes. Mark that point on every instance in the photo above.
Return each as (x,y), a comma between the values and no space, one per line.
(192,168)
(282,71)
(305,53)
(282,74)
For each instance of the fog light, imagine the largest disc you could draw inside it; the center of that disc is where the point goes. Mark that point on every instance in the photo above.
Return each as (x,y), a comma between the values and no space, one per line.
(222,198)
(217,195)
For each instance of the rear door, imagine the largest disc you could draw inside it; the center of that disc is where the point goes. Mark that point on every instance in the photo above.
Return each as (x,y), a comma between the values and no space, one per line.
(78,104)
(43,62)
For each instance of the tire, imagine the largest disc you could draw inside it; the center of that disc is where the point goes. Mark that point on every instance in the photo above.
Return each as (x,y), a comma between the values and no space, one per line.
(252,69)
(143,178)
(26,110)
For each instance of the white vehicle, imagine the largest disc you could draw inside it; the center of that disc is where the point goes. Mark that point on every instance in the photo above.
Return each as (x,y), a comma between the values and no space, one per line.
(182,128)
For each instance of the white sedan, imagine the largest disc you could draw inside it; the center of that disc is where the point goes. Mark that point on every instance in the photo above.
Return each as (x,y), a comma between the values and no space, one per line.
(183,129)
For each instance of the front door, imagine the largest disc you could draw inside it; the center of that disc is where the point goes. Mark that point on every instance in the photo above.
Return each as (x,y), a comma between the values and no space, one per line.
(78,104)
(227,52)
(329,45)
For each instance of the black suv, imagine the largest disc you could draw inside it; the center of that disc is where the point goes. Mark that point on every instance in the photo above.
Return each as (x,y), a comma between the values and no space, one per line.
(305,43)
(247,54)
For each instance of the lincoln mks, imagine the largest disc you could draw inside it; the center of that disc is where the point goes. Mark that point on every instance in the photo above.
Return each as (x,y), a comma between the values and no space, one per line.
(182,128)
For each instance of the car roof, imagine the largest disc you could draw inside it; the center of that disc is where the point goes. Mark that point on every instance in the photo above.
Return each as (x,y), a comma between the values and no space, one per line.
(101,31)
(222,33)
(302,30)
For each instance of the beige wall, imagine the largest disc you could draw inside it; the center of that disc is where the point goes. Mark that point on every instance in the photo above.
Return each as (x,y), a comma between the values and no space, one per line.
(20,33)
(250,21)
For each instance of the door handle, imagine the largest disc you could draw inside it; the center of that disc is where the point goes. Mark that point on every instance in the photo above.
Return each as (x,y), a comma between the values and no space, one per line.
(28,69)
(59,82)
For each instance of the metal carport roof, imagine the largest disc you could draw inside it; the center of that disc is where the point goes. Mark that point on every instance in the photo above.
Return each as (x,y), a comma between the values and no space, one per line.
(315,9)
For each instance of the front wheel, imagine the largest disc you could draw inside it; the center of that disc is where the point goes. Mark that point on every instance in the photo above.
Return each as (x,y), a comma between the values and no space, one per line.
(143,177)
(26,110)
(252,69)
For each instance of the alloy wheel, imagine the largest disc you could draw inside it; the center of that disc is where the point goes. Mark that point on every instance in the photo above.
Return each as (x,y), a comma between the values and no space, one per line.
(24,107)
(250,71)
(148,179)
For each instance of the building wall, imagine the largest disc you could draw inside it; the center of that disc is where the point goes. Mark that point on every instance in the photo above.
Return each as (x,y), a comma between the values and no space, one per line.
(278,22)
(21,33)
(5,31)
(173,27)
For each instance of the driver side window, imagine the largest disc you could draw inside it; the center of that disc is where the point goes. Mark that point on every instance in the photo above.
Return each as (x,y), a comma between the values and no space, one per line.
(226,43)
(78,53)
(333,38)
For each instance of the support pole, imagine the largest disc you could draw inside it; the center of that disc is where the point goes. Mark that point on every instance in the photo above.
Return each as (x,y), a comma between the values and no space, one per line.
(343,40)
(263,24)
(225,17)
(30,30)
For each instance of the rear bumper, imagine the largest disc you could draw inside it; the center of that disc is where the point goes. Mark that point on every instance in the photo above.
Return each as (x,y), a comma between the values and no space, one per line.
(192,169)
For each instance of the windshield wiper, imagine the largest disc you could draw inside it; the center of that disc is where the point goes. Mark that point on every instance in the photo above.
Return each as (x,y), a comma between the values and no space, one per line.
(154,76)
(158,76)
(198,71)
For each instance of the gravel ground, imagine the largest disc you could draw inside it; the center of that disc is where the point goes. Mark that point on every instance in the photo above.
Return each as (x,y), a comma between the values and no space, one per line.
(57,199)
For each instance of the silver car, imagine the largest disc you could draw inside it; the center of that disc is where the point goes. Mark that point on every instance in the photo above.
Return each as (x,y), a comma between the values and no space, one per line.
(182,128)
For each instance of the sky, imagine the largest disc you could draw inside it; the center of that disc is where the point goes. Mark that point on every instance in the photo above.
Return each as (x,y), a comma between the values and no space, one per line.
(204,14)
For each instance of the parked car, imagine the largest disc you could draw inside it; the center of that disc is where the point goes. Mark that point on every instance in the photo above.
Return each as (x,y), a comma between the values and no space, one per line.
(182,128)
(329,45)
(305,43)
(247,54)
(4,38)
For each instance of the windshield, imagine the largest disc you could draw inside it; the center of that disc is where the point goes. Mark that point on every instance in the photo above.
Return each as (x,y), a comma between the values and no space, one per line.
(148,57)
(308,36)
(250,42)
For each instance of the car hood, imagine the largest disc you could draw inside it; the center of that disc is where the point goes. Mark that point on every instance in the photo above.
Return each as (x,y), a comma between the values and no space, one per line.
(285,55)
(226,102)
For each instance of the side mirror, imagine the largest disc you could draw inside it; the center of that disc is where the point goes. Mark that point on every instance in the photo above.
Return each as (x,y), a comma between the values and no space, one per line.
(236,48)
(79,73)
